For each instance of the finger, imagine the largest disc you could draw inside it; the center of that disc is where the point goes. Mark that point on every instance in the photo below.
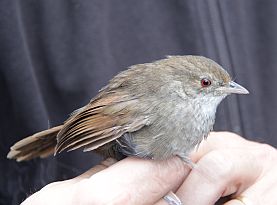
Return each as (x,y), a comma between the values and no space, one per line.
(241,200)
(103,165)
(235,202)
(264,190)
(133,181)
(63,188)
(216,140)
(218,174)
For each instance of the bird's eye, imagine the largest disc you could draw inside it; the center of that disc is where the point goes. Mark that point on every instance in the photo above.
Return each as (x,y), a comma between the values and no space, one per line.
(205,82)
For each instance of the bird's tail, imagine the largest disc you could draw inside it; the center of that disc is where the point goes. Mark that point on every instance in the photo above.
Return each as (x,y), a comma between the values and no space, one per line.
(41,144)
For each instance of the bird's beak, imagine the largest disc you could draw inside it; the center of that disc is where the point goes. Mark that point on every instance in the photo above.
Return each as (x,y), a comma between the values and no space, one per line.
(232,88)
(235,88)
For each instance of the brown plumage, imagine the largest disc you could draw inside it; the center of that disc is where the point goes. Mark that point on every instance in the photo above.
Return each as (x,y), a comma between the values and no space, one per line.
(41,144)
(153,110)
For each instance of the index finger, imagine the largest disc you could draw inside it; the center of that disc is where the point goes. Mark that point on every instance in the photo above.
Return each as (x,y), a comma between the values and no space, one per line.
(133,181)
(97,168)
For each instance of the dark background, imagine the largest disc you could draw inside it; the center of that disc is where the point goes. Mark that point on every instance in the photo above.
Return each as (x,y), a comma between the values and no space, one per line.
(56,54)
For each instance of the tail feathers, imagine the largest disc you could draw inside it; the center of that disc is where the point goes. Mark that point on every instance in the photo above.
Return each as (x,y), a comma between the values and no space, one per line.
(41,144)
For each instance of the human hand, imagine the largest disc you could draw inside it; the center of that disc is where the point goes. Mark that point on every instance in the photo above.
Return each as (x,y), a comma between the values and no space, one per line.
(227,164)
(129,181)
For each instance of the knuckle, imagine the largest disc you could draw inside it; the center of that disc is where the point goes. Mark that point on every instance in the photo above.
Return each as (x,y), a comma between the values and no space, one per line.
(269,149)
(268,153)
(218,160)
(164,174)
(174,166)
(158,179)
(177,165)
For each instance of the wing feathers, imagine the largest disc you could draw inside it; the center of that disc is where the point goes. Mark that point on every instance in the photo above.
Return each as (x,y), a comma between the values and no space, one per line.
(105,119)
(40,144)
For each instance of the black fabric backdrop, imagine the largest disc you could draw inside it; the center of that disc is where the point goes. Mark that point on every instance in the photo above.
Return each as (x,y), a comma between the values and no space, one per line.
(56,55)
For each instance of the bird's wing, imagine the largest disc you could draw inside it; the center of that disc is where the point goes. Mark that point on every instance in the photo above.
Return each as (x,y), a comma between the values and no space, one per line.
(104,119)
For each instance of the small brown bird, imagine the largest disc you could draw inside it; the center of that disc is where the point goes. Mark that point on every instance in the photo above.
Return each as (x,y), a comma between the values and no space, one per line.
(153,110)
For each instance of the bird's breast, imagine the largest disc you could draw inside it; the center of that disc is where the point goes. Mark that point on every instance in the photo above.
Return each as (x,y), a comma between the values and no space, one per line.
(176,128)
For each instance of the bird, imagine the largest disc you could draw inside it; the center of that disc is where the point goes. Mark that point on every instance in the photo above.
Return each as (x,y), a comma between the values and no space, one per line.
(153,110)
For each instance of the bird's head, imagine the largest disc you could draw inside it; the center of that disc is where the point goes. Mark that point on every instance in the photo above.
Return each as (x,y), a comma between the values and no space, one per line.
(202,77)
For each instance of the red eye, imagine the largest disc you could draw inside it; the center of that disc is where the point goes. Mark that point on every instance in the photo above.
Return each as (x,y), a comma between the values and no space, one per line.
(205,82)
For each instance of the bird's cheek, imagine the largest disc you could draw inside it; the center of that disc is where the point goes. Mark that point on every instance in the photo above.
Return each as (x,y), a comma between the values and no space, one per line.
(203,92)
(194,93)
(219,93)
